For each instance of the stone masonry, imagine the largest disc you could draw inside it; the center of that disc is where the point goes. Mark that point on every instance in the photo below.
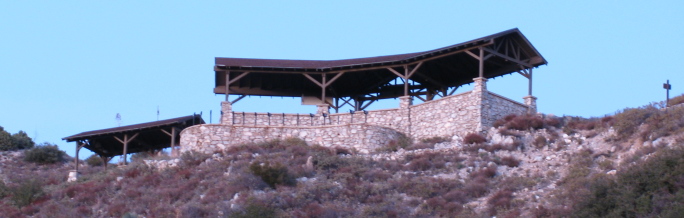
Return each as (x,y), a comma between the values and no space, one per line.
(460,114)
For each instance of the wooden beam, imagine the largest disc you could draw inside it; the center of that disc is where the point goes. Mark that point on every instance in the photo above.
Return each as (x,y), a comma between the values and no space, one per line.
(395,72)
(414,69)
(313,80)
(473,55)
(237,99)
(507,57)
(238,77)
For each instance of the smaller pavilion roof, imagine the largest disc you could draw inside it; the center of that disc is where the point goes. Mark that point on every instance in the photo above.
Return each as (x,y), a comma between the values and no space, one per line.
(150,136)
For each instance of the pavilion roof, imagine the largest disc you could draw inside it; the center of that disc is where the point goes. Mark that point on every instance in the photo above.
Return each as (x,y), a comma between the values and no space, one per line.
(439,69)
(150,136)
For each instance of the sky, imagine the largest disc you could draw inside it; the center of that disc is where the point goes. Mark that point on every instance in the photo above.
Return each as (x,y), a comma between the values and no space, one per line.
(71,66)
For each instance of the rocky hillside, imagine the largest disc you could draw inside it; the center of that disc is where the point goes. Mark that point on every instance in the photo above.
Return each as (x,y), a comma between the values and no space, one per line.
(627,165)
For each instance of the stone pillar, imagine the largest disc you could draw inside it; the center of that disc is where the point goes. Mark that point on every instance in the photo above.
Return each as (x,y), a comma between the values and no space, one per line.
(226,113)
(405,111)
(531,103)
(405,101)
(479,95)
(322,109)
(480,84)
(73,176)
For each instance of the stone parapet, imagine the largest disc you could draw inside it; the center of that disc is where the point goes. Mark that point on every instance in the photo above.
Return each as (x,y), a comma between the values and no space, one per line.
(363,138)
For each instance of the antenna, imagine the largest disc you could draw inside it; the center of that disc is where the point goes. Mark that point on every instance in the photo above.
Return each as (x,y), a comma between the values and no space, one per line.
(157,112)
(118,119)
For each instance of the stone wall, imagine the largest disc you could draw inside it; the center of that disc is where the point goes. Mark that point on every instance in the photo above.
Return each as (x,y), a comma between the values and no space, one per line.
(472,111)
(363,138)
(444,117)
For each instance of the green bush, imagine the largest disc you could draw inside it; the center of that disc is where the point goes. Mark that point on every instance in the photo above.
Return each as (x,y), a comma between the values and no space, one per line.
(4,191)
(255,210)
(5,140)
(44,154)
(652,187)
(21,141)
(10,142)
(94,160)
(628,122)
(273,175)
(27,192)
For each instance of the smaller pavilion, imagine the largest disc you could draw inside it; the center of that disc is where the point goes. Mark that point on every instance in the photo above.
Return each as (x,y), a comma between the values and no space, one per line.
(130,139)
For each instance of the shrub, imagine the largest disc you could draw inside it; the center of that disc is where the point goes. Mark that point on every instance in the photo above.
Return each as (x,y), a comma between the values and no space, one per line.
(94,160)
(5,140)
(44,154)
(474,138)
(676,100)
(520,122)
(627,122)
(400,142)
(540,141)
(193,158)
(254,210)
(26,192)
(500,200)
(4,191)
(21,141)
(272,175)
(510,161)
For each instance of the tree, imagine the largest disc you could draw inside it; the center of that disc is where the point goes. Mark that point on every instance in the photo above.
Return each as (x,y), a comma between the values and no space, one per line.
(5,140)
(22,141)
(45,153)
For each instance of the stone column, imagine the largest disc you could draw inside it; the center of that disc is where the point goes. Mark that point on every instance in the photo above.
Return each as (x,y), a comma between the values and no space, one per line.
(322,109)
(531,103)
(405,101)
(479,95)
(226,113)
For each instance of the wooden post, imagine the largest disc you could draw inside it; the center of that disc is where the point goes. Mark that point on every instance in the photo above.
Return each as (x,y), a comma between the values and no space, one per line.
(125,149)
(79,145)
(105,161)
(227,84)
(529,85)
(481,66)
(173,139)
(323,87)
(125,142)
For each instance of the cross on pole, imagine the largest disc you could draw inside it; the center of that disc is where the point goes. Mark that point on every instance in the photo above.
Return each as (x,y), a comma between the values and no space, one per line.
(667,88)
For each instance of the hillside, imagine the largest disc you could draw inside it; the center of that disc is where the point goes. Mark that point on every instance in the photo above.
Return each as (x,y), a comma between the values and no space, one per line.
(627,165)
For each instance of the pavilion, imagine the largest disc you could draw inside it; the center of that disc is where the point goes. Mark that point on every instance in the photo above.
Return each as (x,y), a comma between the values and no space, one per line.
(130,139)
(362,81)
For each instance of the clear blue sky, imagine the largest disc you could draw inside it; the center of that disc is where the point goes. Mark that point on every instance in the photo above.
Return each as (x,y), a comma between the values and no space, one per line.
(71,66)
